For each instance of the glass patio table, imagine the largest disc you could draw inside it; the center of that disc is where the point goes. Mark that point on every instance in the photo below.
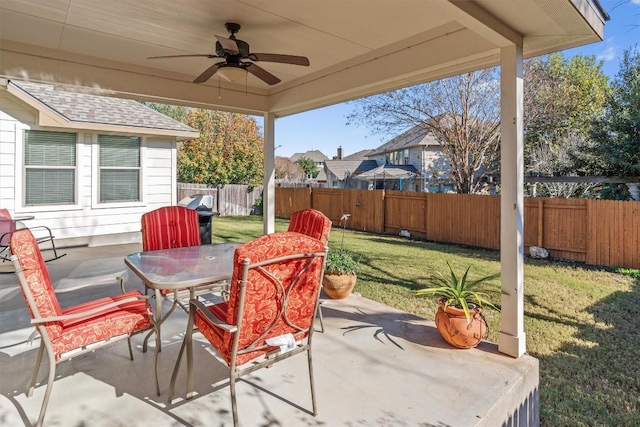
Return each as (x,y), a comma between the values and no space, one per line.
(177,269)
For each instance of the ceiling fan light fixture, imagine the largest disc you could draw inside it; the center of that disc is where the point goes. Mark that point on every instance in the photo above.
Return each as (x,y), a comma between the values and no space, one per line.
(232,74)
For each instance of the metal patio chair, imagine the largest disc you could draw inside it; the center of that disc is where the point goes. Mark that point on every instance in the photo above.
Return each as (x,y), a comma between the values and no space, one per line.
(273,295)
(172,227)
(69,332)
(315,224)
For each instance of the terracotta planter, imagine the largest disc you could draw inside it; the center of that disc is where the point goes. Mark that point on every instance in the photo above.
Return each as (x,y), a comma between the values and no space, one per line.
(452,325)
(338,286)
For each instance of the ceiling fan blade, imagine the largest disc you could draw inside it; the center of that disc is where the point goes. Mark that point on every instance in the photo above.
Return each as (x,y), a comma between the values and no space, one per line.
(229,45)
(195,55)
(284,59)
(262,74)
(206,75)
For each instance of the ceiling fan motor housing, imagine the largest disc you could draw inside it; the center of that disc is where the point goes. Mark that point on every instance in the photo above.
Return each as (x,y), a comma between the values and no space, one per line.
(243,49)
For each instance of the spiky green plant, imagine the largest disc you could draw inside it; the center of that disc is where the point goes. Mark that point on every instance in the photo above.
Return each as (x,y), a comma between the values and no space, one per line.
(458,292)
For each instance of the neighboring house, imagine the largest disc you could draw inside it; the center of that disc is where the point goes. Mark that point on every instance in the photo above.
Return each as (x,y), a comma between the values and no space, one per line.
(86,166)
(319,158)
(342,173)
(412,161)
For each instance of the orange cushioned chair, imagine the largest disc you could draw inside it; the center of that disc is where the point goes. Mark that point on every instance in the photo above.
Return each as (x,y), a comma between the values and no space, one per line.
(274,293)
(312,223)
(165,228)
(315,224)
(170,227)
(68,332)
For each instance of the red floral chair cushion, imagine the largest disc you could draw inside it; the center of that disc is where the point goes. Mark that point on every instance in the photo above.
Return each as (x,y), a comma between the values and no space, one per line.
(263,315)
(312,223)
(71,334)
(170,227)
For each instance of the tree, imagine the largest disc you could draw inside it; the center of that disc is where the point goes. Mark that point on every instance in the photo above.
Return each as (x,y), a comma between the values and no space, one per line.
(562,100)
(228,151)
(287,170)
(176,112)
(308,166)
(462,112)
(615,148)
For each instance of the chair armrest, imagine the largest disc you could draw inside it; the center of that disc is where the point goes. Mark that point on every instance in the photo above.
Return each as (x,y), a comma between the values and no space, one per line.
(96,310)
(197,305)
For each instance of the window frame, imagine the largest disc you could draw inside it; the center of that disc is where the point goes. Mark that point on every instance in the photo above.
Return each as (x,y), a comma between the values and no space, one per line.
(21,172)
(96,175)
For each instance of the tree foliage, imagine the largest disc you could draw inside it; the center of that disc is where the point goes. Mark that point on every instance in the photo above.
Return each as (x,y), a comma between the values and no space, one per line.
(615,145)
(562,100)
(286,170)
(228,151)
(176,112)
(308,166)
(462,113)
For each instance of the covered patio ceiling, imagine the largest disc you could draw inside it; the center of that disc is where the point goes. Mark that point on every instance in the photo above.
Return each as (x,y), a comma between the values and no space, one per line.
(355,47)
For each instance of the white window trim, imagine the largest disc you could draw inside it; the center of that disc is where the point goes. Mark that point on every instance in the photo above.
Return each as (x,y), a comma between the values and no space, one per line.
(95,174)
(20,171)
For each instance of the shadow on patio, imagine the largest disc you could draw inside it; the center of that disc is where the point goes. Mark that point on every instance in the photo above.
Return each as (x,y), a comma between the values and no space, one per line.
(374,365)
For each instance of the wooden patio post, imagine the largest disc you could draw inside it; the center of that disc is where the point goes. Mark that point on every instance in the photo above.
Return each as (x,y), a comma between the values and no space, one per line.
(269,185)
(511,339)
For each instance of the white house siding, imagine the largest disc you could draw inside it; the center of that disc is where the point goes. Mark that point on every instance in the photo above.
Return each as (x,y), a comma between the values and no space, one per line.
(434,159)
(87,222)
(12,117)
(159,161)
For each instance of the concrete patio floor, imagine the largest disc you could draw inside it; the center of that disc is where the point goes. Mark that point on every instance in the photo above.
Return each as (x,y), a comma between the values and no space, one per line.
(373,366)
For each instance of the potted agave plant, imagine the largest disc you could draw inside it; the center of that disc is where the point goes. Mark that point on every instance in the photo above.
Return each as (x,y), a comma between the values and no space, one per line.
(340,270)
(459,318)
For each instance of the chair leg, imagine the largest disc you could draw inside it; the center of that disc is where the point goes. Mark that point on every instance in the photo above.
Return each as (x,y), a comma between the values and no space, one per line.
(234,404)
(320,317)
(130,349)
(312,383)
(47,393)
(36,369)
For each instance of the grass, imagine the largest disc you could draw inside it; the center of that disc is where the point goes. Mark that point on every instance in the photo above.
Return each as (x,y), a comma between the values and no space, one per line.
(580,322)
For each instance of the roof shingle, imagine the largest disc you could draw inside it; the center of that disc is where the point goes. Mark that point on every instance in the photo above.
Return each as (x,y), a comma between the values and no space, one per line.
(81,107)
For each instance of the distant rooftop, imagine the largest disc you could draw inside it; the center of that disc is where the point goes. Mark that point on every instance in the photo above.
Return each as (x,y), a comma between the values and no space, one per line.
(413,137)
(344,168)
(315,155)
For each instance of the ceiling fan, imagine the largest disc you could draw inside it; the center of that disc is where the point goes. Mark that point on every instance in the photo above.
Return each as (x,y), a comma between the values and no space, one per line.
(234,51)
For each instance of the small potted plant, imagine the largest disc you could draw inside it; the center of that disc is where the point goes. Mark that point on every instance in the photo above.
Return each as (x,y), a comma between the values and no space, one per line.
(340,270)
(459,318)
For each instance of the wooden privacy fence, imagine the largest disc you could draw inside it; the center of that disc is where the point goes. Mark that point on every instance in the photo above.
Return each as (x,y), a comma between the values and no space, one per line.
(228,199)
(598,232)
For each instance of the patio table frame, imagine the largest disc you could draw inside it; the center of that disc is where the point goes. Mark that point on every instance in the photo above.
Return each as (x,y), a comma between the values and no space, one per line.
(181,268)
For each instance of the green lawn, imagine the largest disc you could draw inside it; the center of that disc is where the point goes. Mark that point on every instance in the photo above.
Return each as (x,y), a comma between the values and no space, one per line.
(581,322)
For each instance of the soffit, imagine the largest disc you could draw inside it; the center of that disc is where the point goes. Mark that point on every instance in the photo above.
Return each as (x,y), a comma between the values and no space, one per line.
(356,47)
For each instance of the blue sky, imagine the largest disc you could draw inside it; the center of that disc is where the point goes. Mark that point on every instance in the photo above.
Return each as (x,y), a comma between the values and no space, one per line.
(325,129)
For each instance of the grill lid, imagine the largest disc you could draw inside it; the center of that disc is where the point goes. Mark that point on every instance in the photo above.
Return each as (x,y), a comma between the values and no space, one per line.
(197,202)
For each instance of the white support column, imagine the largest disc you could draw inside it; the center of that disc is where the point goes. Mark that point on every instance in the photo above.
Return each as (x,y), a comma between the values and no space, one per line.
(268,193)
(512,340)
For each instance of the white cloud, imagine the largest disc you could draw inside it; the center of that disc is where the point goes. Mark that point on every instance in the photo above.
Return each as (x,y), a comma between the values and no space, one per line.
(609,54)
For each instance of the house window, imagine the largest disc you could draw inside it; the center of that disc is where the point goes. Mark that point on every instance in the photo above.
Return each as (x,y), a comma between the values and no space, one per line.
(50,168)
(119,168)
(406,156)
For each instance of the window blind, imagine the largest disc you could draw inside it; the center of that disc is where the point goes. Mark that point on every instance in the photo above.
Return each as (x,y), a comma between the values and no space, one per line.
(50,161)
(119,168)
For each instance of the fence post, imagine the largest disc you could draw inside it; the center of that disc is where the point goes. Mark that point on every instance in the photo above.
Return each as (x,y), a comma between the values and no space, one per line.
(540,222)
